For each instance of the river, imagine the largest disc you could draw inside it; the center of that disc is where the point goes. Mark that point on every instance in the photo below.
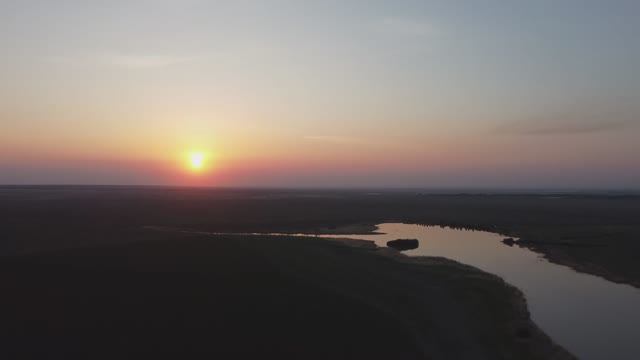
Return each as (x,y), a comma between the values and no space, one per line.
(591,317)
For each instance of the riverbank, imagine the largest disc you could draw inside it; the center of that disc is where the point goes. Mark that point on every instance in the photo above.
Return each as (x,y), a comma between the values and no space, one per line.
(596,234)
(562,247)
(244,296)
(574,309)
(589,249)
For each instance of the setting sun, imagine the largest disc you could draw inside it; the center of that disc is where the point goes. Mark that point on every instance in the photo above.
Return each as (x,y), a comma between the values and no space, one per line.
(196,160)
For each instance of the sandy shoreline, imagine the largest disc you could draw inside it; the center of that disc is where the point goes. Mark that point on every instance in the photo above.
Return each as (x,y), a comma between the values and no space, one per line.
(551,251)
(351,298)
(538,343)
(523,324)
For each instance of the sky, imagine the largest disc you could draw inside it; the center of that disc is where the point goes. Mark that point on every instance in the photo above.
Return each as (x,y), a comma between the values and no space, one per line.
(498,94)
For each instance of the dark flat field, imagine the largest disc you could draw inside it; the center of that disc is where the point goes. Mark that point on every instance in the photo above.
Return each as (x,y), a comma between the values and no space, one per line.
(85,275)
(598,234)
(181,296)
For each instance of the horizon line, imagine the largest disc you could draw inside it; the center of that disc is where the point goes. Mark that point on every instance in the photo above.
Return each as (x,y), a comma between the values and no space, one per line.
(459,189)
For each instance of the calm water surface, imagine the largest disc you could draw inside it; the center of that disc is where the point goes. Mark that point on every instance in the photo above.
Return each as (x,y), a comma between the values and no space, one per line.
(591,317)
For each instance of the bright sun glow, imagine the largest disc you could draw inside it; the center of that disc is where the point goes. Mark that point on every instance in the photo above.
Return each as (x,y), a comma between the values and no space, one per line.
(196,160)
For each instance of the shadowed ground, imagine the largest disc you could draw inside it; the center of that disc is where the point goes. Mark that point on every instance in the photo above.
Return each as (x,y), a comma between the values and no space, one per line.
(594,234)
(82,273)
(184,296)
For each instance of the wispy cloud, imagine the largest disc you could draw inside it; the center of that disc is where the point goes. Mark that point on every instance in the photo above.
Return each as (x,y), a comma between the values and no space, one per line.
(336,139)
(147,61)
(563,127)
(408,26)
(124,60)
(579,118)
